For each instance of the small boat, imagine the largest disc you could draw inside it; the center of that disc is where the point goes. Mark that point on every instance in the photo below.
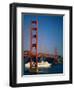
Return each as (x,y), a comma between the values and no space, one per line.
(42,64)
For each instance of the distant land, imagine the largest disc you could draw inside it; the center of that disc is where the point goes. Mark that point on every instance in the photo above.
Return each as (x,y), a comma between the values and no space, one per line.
(41,56)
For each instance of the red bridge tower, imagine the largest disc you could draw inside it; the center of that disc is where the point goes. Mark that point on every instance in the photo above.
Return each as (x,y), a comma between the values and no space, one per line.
(55,56)
(34,41)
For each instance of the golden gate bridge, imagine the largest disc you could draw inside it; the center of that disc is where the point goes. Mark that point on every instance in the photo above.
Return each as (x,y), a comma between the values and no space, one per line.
(34,46)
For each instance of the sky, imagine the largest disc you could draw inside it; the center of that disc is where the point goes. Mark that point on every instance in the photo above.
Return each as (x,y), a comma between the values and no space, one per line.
(50,32)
